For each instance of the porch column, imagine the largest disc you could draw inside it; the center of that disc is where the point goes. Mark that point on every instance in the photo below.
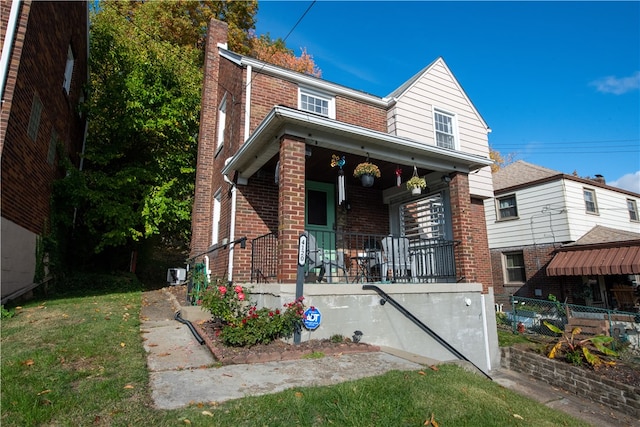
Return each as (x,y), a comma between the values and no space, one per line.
(291,195)
(462,225)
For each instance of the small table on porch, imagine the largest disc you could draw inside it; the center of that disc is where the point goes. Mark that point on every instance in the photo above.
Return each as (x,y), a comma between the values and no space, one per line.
(363,264)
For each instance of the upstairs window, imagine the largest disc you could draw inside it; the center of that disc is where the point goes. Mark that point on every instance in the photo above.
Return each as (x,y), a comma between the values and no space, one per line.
(443,124)
(222,123)
(68,70)
(317,103)
(633,209)
(514,267)
(507,207)
(590,204)
(34,119)
(215,220)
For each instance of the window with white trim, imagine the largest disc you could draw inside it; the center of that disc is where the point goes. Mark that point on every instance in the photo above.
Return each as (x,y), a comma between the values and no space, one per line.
(34,118)
(215,218)
(632,206)
(507,207)
(444,128)
(590,204)
(317,103)
(68,70)
(222,123)
(514,271)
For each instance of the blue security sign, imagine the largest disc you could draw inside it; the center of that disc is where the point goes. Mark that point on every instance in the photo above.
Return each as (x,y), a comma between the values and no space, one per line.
(312,318)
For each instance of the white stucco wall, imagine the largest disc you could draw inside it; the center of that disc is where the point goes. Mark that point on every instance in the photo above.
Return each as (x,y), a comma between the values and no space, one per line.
(17,257)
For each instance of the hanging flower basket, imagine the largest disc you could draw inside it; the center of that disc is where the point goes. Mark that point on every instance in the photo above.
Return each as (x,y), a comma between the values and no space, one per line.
(367,180)
(366,168)
(416,184)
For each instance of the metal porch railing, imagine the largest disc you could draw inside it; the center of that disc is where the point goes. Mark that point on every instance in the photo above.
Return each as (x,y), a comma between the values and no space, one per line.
(361,258)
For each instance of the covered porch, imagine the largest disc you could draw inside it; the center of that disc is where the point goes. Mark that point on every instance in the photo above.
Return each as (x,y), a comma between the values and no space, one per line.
(287,185)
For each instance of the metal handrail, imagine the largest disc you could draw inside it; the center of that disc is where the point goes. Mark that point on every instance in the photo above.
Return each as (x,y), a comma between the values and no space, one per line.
(418,322)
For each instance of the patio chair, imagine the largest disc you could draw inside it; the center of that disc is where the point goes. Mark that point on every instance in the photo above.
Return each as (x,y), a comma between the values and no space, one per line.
(398,259)
(316,259)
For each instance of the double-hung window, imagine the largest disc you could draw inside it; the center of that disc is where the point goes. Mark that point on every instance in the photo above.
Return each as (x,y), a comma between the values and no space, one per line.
(215,220)
(444,128)
(507,207)
(590,204)
(68,70)
(316,102)
(222,123)
(514,267)
(633,209)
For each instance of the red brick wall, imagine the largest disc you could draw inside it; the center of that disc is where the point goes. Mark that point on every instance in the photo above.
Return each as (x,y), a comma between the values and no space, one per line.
(359,114)
(205,168)
(37,66)
(536,259)
(468,230)
(482,257)
(291,200)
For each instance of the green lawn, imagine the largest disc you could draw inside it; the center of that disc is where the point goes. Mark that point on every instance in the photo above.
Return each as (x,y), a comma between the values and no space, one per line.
(79,361)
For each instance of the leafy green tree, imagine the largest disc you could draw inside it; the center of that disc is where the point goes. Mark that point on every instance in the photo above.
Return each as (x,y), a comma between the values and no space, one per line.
(143,106)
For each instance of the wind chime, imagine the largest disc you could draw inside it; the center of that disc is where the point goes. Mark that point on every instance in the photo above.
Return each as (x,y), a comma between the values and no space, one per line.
(340,162)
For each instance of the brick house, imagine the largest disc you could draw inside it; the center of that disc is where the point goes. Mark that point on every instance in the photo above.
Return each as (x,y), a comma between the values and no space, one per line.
(43,70)
(271,146)
(544,229)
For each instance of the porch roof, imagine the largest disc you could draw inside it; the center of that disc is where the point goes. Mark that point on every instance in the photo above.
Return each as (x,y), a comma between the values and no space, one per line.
(595,261)
(323,132)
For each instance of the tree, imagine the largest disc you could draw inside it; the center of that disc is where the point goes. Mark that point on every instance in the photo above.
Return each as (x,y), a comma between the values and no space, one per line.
(276,52)
(500,161)
(143,109)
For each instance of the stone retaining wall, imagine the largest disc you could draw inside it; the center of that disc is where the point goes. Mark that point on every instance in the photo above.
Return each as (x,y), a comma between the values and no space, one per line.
(579,381)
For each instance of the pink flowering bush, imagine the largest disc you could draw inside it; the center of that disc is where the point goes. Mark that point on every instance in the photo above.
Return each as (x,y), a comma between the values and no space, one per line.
(261,326)
(227,304)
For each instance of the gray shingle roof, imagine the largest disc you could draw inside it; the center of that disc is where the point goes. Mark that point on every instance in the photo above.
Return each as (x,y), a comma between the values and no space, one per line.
(601,234)
(520,172)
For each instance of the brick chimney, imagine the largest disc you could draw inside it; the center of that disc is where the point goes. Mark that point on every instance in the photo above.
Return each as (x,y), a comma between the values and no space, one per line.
(599,179)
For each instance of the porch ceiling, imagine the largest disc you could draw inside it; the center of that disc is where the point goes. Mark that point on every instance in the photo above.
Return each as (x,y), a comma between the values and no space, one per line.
(343,138)
(596,261)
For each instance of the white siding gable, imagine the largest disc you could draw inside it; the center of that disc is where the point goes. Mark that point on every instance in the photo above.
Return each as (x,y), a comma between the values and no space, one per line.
(554,212)
(437,89)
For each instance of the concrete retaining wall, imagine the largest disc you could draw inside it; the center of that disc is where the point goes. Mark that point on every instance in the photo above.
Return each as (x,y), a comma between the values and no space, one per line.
(457,312)
(579,381)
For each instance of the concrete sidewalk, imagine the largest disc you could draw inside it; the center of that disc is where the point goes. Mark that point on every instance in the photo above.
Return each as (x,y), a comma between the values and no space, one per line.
(183,372)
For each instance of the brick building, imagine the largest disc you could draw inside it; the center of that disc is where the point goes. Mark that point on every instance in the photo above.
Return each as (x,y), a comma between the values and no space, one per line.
(276,159)
(43,73)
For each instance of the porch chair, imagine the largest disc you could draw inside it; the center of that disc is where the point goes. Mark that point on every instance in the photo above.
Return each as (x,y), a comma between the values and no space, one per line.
(398,260)
(317,259)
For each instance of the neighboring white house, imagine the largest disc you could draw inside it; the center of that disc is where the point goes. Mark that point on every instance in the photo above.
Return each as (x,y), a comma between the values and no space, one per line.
(535,211)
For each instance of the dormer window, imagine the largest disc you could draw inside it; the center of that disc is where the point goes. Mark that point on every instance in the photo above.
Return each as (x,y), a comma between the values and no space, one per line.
(317,103)
(444,128)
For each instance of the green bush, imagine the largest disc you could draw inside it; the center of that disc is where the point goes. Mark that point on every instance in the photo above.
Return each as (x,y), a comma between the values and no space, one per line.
(261,326)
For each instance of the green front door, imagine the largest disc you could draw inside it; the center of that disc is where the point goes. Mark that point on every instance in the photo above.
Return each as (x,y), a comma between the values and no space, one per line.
(320,208)
(320,217)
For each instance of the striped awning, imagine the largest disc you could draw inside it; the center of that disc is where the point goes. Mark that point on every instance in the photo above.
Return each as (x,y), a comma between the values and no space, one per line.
(596,261)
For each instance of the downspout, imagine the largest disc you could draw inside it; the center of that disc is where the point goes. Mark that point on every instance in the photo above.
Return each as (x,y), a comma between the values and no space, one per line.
(232,225)
(7,47)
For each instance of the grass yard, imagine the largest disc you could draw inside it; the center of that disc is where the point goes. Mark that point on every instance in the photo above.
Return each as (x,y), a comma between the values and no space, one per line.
(78,360)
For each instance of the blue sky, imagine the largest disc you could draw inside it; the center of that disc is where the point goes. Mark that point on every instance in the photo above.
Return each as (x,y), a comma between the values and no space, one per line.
(557,82)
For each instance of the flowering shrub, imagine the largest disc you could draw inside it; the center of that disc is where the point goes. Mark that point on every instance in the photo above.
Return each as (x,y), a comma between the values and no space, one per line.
(261,326)
(225,303)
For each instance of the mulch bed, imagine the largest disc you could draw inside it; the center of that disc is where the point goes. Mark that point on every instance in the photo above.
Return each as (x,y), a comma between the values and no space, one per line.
(276,350)
(272,352)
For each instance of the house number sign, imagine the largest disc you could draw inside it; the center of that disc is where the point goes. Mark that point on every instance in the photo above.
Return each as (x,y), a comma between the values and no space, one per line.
(302,249)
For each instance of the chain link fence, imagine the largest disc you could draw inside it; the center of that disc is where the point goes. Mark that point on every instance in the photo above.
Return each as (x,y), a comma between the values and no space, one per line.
(528,315)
